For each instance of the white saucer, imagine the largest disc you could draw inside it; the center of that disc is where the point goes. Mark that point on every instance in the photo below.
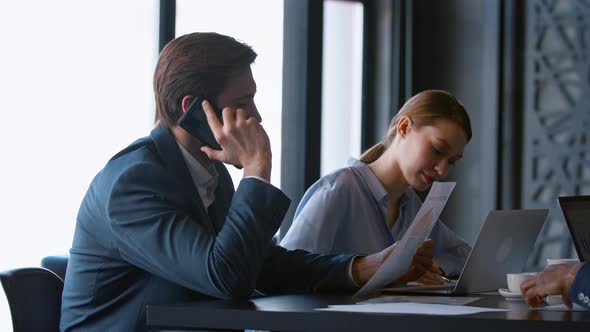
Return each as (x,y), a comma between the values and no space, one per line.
(509,295)
(553,299)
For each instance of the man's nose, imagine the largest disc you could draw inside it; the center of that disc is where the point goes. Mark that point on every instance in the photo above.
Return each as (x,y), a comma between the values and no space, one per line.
(255,113)
(442,168)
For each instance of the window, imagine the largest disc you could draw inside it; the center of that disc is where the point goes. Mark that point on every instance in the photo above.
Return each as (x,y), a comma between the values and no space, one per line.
(342,83)
(76,87)
(258,23)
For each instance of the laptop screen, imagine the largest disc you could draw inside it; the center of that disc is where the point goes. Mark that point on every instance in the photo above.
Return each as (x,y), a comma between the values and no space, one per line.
(576,211)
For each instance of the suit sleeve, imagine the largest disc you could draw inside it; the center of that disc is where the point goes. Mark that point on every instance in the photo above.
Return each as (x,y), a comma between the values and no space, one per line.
(303,262)
(580,291)
(153,233)
(296,271)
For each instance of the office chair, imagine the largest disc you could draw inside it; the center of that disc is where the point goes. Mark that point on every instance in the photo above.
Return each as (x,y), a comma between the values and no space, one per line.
(34,298)
(56,264)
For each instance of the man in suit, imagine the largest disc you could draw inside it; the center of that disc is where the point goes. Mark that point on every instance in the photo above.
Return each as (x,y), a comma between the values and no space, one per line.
(161,222)
(572,281)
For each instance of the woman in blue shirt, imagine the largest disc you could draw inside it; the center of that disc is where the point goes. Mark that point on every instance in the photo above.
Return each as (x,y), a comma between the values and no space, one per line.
(369,204)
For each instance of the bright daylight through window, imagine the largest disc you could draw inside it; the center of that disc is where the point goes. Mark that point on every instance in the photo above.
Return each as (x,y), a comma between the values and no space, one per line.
(76,87)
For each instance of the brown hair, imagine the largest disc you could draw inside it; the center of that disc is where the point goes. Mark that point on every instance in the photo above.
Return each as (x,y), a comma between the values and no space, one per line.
(198,64)
(424,109)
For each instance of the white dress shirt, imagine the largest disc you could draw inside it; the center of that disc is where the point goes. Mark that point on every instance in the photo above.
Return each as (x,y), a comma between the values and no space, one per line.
(204,178)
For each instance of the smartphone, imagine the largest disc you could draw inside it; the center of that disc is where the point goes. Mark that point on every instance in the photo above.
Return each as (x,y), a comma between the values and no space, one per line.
(194,121)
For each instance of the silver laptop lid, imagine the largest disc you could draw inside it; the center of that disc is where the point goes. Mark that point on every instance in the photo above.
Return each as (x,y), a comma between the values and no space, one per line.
(503,245)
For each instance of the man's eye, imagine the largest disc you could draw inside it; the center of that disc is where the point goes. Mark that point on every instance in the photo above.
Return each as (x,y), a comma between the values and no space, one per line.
(243,104)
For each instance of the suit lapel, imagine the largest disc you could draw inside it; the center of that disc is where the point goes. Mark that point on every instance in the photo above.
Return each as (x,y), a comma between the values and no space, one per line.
(170,153)
(223,195)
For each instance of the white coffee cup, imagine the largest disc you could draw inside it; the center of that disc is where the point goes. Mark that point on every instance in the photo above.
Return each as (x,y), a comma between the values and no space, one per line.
(554,261)
(515,279)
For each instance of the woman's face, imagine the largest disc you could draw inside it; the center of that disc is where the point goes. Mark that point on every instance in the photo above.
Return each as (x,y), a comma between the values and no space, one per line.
(427,153)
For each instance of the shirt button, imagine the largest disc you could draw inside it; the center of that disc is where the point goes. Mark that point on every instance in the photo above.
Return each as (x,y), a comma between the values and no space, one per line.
(586,299)
(581,296)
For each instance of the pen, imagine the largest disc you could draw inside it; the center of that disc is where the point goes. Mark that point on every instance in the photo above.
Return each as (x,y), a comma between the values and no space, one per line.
(444,278)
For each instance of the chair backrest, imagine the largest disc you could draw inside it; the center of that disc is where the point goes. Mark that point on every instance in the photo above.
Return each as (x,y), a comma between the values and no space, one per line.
(34,298)
(56,264)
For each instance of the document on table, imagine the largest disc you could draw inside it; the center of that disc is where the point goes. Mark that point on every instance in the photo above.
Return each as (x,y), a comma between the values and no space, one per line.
(561,307)
(398,263)
(452,300)
(411,308)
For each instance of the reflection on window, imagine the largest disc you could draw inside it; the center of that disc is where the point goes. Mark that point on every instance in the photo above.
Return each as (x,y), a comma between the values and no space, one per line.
(342,83)
(76,86)
(258,23)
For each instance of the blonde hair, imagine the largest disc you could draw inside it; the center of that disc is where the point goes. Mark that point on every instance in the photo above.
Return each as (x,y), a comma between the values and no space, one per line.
(424,109)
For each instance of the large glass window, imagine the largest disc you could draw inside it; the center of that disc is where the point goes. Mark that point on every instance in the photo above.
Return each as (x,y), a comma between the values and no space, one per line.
(75,87)
(258,23)
(341,83)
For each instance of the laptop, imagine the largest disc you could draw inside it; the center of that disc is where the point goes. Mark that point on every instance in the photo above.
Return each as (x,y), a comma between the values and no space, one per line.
(576,211)
(503,245)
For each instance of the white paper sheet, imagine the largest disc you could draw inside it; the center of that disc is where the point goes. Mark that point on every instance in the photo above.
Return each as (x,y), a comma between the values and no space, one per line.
(561,307)
(412,308)
(398,263)
(449,300)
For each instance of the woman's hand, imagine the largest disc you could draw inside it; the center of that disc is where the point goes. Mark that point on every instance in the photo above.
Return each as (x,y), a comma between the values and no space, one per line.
(436,268)
(434,276)
(431,278)
(363,268)
(421,263)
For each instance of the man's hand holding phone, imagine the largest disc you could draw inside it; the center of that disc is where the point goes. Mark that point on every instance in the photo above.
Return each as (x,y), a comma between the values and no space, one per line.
(242,139)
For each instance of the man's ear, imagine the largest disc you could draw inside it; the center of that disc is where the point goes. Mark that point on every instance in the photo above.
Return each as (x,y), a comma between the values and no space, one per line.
(404,125)
(186,100)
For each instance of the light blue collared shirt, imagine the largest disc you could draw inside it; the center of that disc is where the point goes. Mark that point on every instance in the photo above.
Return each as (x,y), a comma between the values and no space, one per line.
(345,211)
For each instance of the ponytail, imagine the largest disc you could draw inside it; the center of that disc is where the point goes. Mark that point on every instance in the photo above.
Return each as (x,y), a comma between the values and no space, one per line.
(373,153)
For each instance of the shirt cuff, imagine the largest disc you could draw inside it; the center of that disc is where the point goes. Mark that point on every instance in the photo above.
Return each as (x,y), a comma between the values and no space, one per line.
(350,271)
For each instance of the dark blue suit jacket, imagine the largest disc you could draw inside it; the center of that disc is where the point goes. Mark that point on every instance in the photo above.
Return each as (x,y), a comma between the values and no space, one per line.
(580,291)
(144,237)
